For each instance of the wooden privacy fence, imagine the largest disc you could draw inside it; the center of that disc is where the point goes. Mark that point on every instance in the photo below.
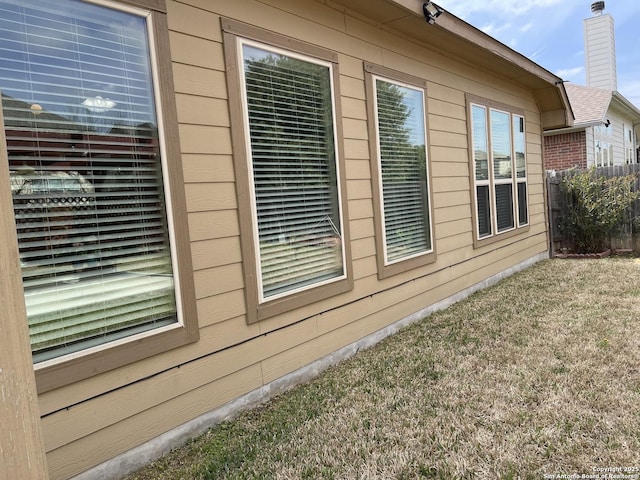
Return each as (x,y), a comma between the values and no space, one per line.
(558,202)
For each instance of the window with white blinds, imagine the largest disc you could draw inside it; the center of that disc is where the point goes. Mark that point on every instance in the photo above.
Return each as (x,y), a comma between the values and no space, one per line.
(288,101)
(86,176)
(499,148)
(401,136)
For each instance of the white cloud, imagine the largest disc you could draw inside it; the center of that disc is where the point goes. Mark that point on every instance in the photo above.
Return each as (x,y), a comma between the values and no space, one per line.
(536,54)
(526,27)
(504,8)
(495,30)
(570,73)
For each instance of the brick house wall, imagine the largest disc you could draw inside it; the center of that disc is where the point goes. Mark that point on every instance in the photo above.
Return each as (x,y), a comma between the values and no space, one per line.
(565,150)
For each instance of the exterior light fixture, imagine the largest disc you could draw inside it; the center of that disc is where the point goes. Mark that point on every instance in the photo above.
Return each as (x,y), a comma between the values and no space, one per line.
(431,12)
(98,104)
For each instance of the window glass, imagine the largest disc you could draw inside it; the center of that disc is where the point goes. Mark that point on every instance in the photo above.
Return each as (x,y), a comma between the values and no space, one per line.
(504,206)
(86,179)
(403,165)
(523,215)
(293,162)
(519,146)
(501,198)
(484,211)
(480,149)
(501,144)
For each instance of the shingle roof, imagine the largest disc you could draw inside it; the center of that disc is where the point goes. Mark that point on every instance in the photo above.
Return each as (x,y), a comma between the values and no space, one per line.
(589,104)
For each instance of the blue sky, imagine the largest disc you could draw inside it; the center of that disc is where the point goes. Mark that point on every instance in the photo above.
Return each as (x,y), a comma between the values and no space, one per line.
(550,32)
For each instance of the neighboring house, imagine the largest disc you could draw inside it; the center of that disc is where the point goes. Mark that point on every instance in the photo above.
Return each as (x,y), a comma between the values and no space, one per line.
(605,131)
(210,196)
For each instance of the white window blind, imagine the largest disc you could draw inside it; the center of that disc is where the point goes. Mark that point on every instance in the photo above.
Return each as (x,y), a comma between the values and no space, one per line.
(400,125)
(294,173)
(86,179)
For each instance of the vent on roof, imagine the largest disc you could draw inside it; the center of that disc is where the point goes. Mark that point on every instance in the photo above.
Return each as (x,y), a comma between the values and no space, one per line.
(597,8)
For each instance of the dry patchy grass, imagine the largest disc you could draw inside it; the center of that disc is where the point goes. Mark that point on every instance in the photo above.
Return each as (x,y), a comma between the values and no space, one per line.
(537,375)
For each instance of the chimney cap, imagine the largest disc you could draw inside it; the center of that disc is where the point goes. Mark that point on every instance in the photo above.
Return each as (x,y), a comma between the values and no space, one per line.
(597,7)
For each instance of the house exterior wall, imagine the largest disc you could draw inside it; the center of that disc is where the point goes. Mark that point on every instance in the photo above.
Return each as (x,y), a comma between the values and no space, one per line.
(617,139)
(591,156)
(565,150)
(578,148)
(96,419)
(621,123)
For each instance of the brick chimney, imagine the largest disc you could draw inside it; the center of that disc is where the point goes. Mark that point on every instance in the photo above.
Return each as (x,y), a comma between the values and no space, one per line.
(600,49)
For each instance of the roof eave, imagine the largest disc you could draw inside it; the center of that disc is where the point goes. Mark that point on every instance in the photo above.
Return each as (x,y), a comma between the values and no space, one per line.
(626,104)
(551,95)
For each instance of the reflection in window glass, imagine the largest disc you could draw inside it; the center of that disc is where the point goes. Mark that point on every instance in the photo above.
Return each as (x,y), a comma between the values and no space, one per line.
(519,146)
(86,180)
(293,161)
(480,149)
(403,164)
(501,198)
(484,210)
(504,206)
(501,144)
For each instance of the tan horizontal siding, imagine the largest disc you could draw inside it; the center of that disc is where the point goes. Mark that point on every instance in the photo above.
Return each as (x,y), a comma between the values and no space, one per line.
(450,109)
(448,214)
(199,168)
(358,189)
(360,209)
(354,129)
(193,21)
(454,242)
(110,441)
(205,139)
(365,267)
(223,307)
(446,155)
(450,184)
(196,51)
(213,224)
(362,228)
(199,81)
(215,253)
(204,196)
(199,110)
(212,281)
(354,108)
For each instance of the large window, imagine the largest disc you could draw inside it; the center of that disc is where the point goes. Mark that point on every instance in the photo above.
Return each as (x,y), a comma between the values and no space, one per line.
(603,135)
(287,103)
(85,158)
(401,173)
(500,170)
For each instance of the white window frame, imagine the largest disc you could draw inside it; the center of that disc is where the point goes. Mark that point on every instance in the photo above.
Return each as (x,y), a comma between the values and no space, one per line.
(422,93)
(71,367)
(526,175)
(488,106)
(252,196)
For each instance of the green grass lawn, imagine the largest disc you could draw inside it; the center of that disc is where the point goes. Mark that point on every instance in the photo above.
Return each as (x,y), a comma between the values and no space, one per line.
(538,375)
